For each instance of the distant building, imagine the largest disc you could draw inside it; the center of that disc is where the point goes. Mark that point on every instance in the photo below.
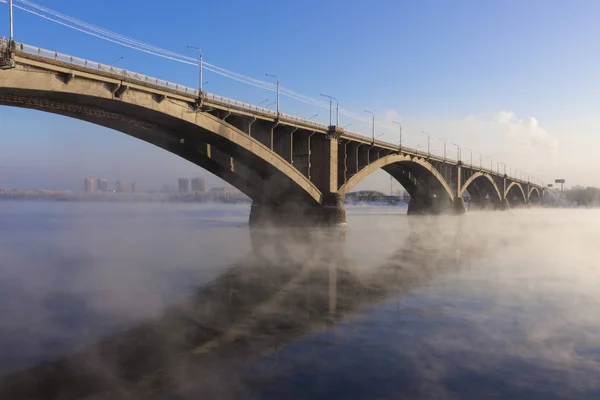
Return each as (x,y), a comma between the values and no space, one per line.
(225,191)
(88,185)
(121,187)
(135,187)
(184,185)
(198,185)
(102,185)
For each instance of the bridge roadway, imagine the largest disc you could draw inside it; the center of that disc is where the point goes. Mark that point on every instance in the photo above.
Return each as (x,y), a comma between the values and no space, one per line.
(296,171)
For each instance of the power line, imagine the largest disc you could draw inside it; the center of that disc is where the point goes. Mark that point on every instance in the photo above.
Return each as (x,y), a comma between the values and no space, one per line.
(116,38)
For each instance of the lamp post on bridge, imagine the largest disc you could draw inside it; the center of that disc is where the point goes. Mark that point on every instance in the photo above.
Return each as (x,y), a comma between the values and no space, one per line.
(444,141)
(400,140)
(458,155)
(337,109)
(199,65)
(480,160)
(373,125)
(428,142)
(11,37)
(312,116)
(504,167)
(277,83)
(471,151)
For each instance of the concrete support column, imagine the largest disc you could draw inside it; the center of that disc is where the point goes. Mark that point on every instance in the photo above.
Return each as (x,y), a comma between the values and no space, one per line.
(332,213)
(296,212)
(459,205)
(301,151)
(324,159)
(283,142)
(503,205)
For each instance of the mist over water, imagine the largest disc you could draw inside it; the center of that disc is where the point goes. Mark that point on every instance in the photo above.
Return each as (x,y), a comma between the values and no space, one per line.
(157,300)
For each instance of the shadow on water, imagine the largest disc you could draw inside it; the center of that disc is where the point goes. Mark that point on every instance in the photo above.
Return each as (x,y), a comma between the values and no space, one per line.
(295,282)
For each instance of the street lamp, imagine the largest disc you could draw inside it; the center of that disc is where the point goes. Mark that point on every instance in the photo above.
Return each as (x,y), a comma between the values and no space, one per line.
(378,136)
(269,105)
(400,140)
(480,160)
(345,126)
(312,116)
(277,80)
(373,127)
(263,102)
(443,140)
(337,109)
(10,23)
(458,155)
(504,167)
(471,151)
(200,65)
(428,142)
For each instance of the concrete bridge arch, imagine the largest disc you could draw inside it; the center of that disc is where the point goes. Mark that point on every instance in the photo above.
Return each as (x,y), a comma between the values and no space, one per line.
(534,195)
(427,187)
(422,171)
(170,123)
(482,183)
(515,193)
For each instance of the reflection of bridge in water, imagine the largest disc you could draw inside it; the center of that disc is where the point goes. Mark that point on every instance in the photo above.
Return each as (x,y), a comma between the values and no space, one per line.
(283,163)
(294,284)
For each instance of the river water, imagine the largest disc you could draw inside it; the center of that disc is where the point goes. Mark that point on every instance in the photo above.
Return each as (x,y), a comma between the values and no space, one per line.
(145,300)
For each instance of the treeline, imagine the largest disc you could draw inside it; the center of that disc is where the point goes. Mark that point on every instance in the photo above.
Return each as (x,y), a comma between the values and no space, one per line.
(583,196)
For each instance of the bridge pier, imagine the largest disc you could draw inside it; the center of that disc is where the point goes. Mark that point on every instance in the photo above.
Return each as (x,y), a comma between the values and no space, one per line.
(431,205)
(331,213)
(503,205)
(459,206)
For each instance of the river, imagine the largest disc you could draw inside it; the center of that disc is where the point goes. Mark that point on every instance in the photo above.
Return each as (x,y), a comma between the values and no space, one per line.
(143,300)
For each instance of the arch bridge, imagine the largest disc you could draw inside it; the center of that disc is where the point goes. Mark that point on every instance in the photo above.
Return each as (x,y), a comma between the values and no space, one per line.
(294,169)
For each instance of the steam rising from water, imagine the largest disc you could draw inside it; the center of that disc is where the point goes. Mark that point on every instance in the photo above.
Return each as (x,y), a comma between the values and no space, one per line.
(141,301)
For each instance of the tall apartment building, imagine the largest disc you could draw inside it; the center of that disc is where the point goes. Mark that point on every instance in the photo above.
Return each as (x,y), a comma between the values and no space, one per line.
(88,185)
(121,187)
(184,185)
(198,185)
(102,185)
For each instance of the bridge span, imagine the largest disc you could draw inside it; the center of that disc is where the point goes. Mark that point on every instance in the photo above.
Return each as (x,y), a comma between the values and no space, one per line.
(294,170)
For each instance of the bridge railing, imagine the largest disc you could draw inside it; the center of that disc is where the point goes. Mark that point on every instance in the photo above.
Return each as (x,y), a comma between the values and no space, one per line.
(38,51)
(261,110)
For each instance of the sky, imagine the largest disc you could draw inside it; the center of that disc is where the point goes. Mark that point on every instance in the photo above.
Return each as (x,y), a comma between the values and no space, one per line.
(515,81)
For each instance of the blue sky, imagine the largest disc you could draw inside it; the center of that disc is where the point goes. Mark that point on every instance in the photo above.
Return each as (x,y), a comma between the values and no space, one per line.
(516,80)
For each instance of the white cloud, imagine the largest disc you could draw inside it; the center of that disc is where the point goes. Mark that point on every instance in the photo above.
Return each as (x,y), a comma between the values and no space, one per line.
(527,132)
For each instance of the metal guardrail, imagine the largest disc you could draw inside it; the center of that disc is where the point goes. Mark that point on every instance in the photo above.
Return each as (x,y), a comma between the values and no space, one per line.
(38,51)
(216,99)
